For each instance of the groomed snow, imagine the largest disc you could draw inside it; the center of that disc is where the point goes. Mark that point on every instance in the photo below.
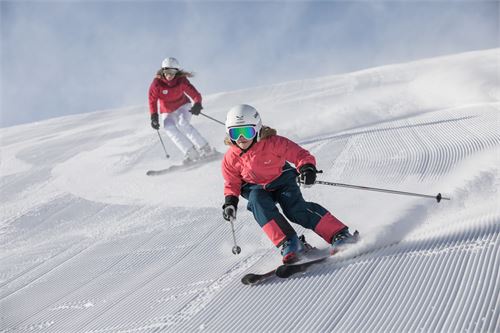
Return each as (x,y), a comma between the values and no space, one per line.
(89,243)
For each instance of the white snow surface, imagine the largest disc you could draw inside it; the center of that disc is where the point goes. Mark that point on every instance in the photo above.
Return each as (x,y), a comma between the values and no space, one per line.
(89,243)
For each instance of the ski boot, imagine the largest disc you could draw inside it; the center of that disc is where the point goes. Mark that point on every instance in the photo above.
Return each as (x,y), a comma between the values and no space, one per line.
(291,249)
(307,247)
(342,238)
(191,156)
(206,151)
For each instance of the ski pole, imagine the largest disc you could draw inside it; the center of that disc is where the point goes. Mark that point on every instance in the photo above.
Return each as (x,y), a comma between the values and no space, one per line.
(164,149)
(217,121)
(236,249)
(438,197)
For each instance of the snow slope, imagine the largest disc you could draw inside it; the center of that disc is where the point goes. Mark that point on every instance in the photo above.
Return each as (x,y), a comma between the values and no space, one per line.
(89,243)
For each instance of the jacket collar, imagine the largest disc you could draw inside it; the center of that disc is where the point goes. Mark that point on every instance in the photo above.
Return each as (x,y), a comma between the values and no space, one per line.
(172,83)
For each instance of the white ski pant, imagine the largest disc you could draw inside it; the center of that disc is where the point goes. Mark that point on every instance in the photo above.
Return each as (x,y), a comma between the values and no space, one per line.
(180,131)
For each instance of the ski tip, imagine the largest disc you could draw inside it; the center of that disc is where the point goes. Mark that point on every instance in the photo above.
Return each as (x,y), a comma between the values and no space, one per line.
(250,279)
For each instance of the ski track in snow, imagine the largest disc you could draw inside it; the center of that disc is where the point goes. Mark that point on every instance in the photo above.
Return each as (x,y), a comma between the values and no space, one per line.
(100,247)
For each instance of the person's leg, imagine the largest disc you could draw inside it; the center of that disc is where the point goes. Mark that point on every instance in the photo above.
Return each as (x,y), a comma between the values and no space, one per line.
(310,215)
(184,125)
(267,215)
(170,121)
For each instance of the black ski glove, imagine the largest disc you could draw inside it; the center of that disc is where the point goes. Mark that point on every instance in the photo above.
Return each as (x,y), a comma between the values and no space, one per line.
(196,109)
(154,121)
(308,175)
(230,207)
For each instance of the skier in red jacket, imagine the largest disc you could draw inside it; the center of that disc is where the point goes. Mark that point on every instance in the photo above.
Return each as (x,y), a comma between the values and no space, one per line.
(256,166)
(171,89)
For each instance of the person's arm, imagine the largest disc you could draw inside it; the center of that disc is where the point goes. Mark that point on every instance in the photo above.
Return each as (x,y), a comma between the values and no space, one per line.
(153,97)
(153,105)
(232,178)
(295,153)
(191,91)
(232,189)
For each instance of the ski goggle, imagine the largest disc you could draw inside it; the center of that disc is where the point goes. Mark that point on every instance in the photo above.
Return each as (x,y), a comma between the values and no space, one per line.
(248,132)
(170,71)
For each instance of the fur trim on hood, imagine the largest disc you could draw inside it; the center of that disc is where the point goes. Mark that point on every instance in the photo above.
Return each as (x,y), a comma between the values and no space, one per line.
(265,133)
(180,73)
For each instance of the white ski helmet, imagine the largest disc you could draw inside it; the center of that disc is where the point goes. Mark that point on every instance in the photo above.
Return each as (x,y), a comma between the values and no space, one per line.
(241,115)
(170,63)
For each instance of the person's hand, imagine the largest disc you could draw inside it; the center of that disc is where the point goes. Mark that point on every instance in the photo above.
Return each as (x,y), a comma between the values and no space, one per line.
(154,121)
(230,207)
(196,109)
(229,212)
(307,175)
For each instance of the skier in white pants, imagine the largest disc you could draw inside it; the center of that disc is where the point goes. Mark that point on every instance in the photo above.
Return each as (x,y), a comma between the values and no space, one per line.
(171,89)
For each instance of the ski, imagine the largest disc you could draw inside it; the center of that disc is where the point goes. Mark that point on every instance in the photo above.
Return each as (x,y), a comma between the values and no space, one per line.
(188,166)
(286,271)
(254,278)
(282,271)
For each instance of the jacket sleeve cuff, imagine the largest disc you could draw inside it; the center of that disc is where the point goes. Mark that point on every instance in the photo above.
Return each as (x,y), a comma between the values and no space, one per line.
(307,166)
(231,200)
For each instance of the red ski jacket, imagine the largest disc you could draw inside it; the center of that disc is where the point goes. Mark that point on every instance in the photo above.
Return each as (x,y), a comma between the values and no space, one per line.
(171,94)
(262,163)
